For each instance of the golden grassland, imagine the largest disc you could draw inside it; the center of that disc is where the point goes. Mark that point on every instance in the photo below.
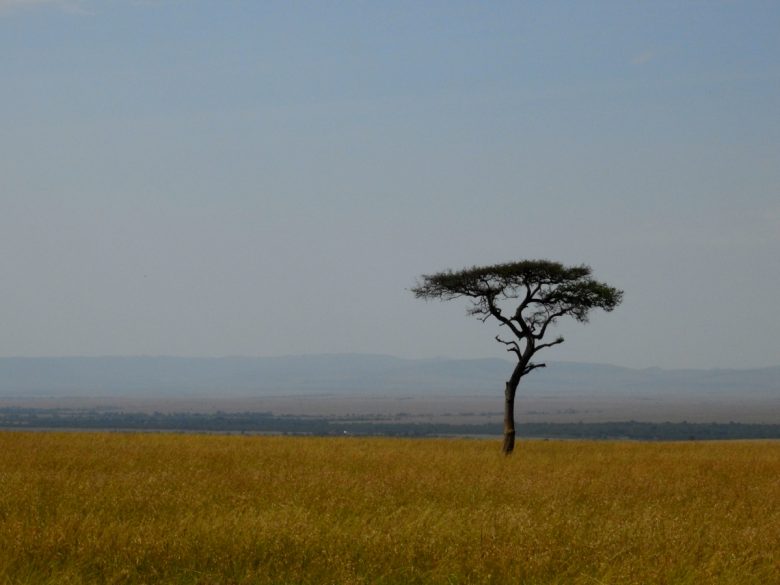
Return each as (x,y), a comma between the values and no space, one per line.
(158,508)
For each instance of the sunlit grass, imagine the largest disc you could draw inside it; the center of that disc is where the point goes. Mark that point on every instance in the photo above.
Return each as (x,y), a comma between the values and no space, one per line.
(140,508)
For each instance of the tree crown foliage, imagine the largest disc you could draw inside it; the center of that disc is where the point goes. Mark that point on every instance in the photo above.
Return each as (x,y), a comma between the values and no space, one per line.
(545,291)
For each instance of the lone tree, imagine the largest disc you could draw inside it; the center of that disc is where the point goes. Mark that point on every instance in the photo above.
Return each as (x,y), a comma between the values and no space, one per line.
(539,292)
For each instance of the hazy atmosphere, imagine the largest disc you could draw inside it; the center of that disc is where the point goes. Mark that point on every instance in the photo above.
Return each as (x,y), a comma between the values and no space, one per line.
(251,178)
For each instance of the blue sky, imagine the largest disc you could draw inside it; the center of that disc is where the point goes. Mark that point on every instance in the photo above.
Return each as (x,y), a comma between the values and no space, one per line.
(222,178)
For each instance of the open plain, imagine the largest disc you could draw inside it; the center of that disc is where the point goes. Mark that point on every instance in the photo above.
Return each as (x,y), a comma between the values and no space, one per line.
(148,508)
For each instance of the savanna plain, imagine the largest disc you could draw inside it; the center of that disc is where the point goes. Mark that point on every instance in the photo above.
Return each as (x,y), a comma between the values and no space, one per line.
(200,509)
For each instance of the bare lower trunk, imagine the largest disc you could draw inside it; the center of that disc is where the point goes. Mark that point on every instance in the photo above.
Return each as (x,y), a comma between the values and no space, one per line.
(509,418)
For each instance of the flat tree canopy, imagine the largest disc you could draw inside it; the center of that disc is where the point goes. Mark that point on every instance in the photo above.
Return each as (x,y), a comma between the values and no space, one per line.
(526,298)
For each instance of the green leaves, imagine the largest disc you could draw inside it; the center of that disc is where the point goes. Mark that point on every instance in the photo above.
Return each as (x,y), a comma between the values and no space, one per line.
(544,291)
(500,279)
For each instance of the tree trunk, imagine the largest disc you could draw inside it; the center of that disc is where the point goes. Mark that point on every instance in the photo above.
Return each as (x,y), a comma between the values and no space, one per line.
(509,418)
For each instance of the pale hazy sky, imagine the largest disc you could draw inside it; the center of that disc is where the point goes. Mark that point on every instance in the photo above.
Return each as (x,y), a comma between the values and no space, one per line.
(266,178)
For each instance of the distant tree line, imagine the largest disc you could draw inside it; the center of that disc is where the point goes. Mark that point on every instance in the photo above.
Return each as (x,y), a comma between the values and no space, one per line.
(266,422)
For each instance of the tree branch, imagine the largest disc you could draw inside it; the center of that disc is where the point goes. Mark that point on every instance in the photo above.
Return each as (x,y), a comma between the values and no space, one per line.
(531,367)
(518,316)
(496,312)
(550,318)
(511,346)
(542,346)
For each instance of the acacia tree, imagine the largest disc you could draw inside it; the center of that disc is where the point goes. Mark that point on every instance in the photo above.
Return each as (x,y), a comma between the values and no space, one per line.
(526,298)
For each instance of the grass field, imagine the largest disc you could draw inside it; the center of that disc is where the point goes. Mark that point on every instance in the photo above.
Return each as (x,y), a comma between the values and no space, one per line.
(143,508)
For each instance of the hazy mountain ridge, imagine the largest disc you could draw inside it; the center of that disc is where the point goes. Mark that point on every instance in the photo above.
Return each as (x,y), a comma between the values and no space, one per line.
(357,373)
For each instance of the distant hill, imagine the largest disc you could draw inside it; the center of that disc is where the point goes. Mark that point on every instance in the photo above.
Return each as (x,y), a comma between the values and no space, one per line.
(358,373)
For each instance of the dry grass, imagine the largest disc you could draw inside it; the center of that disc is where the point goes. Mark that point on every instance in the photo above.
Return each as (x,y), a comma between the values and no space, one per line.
(135,508)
